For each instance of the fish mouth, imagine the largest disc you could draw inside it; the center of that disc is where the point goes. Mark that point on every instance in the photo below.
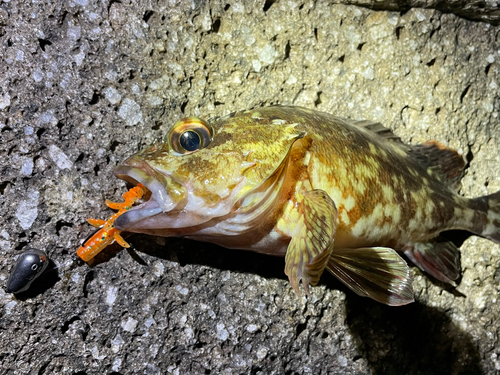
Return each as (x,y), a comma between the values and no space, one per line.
(159,202)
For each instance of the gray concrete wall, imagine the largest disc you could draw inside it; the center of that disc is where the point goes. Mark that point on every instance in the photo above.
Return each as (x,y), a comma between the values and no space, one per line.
(84,84)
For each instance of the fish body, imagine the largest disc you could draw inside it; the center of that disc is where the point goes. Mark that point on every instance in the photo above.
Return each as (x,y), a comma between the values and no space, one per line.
(325,192)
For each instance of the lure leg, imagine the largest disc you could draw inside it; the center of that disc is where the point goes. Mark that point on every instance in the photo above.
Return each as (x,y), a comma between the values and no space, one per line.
(96,222)
(118,238)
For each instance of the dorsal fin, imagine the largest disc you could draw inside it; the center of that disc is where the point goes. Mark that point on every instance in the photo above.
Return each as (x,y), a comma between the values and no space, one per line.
(444,161)
(379,129)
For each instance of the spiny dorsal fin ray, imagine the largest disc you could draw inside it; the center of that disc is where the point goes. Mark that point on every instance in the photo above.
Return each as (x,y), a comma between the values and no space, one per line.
(375,272)
(310,247)
(379,129)
(440,260)
(447,163)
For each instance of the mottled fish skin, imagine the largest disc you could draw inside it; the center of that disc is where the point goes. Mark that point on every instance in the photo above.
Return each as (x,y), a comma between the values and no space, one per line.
(289,180)
(384,196)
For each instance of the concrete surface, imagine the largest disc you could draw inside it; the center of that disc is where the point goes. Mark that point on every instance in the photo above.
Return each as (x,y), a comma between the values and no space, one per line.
(84,84)
(479,10)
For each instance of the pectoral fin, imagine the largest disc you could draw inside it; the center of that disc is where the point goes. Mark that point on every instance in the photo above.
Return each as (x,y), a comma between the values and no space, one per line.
(375,272)
(312,239)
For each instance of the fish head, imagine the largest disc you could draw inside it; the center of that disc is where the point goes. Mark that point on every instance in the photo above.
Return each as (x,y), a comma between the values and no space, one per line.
(205,170)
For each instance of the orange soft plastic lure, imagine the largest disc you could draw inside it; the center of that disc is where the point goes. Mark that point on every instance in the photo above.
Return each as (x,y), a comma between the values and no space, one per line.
(108,233)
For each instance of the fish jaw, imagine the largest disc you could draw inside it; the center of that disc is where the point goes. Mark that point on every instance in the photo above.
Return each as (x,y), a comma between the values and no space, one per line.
(172,205)
(158,203)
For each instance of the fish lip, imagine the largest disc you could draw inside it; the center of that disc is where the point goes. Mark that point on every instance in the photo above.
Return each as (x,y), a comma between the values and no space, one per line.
(160,201)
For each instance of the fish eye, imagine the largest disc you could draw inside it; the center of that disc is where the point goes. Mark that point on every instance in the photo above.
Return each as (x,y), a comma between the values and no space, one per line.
(190,140)
(189,135)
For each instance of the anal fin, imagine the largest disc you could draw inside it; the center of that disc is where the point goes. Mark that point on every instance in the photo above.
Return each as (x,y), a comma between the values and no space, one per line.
(376,272)
(439,259)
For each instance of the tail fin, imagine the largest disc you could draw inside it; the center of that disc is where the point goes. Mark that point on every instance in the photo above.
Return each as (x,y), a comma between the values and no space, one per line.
(490,204)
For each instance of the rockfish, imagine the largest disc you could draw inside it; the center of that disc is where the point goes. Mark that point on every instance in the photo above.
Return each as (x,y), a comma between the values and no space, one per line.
(322,191)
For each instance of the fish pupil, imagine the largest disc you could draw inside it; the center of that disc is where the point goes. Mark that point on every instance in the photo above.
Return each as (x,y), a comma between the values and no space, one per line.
(190,140)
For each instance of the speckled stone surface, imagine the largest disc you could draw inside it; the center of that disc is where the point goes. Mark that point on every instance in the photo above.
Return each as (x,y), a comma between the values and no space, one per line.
(84,84)
(479,10)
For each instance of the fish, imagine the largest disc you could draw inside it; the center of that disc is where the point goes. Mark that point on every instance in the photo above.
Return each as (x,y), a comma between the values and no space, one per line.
(324,192)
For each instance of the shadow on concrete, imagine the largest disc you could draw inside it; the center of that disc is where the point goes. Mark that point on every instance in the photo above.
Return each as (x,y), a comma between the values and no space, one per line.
(412,339)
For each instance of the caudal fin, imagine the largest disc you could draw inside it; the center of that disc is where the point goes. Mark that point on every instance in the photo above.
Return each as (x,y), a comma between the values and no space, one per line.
(491,226)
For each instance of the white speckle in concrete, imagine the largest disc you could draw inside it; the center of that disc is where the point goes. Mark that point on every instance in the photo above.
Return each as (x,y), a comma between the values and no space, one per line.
(82,3)
(261,353)
(182,290)
(238,8)
(490,59)
(149,322)
(111,295)
(111,75)
(183,320)
(79,58)
(158,269)
(4,100)
(368,73)
(222,333)
(117,363)
(252,328)
(342,360)
(75,277)
(393,19)
(74,32)
(420,16)
(5,234)
(246,34)
(116,343)
(59,157)
(155,101)
(256,65)
(9,306)
(6,246)
(206,22)
(130,325)
(130,111)
(48,118)
(27,211)
(27,166)
(188,333)
(37,75)
(112,95)
(160,83)
(95,353)
(291,80)
(267,54)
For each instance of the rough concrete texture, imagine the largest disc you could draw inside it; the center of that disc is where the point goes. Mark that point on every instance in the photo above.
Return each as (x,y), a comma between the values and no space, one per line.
(479,10)
(84,84)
